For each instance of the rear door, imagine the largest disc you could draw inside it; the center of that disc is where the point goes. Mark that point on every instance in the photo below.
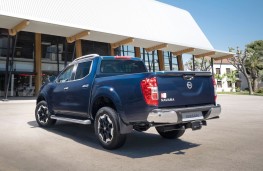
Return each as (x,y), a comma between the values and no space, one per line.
(184,89)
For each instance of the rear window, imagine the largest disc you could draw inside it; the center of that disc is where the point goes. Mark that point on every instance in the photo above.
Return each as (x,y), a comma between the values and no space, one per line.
(122,66)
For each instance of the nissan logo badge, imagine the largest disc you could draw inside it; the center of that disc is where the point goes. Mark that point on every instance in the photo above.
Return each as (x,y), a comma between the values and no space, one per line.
(189,85)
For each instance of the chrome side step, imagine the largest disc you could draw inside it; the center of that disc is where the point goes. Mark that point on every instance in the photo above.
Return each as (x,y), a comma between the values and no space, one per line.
(79,121)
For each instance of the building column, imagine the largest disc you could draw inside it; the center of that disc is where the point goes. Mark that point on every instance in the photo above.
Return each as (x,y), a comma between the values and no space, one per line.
(7,68)
(12,85)
(180,63)
(78,48)
(112,53)
(30,81)
(160,60)
(38,68)
(137,52)
(212,66)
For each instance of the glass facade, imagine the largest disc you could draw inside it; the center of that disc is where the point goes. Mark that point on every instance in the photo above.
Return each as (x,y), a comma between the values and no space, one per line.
(56,52)
(150,59)
(3,42)
(126,51)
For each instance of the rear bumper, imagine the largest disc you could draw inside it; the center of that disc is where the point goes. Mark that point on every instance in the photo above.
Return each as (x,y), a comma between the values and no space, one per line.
(174,115)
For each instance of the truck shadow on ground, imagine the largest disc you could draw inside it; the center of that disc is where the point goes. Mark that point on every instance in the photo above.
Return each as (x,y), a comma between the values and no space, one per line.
(138,145)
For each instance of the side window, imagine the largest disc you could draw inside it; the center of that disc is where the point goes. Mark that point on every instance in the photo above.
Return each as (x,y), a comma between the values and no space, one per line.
(66,75)
(82,70)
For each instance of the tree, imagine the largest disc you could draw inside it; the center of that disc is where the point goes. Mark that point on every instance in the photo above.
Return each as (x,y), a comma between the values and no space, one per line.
(239,61)
(203,64)
(232,78)
(254,62)
(219,77)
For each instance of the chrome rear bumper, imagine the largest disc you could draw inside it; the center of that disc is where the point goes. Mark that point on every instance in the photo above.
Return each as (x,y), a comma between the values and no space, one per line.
(174,115)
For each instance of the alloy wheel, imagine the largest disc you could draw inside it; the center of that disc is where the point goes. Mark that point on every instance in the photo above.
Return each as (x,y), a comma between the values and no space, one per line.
(42,114)
(105,128)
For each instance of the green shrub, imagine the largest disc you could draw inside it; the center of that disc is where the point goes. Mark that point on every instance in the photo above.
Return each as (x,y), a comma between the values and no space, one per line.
(260,90)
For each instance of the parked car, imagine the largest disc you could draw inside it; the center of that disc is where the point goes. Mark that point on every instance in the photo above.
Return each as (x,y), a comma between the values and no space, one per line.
(117,94)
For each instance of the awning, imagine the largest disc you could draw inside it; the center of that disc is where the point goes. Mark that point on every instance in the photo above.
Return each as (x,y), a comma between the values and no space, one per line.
(142,23)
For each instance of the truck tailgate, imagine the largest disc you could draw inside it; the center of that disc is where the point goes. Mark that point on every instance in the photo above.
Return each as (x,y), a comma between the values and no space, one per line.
(183,89)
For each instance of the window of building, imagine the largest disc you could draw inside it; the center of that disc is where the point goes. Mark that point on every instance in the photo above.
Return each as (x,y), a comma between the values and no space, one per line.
(3,42)
(82,70)
(91,47)
(127,50)
(24,84)
(237,74)
(24,44)
(152,61)
(218,71)
(148,60)
(53,47)
(219,84)
(229,84)
(228,70)
(3,45)
(170,63)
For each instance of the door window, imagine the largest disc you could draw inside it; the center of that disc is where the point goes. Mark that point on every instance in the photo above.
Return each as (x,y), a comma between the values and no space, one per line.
(83,70)
(66,75)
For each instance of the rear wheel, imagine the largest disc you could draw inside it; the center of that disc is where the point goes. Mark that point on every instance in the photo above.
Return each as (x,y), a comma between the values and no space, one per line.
(107,129)
(43,116)
(170,134)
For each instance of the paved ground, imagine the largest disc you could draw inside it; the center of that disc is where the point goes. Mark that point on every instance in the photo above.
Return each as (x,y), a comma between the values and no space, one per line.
(233,142)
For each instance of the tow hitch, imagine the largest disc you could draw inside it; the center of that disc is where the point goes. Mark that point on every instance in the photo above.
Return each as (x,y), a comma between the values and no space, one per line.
(196,125)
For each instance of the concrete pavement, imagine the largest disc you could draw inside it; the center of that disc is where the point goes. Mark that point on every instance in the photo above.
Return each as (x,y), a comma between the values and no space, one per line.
(233,142)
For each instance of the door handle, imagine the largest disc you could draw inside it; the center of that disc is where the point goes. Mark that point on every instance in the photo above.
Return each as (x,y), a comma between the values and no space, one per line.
(66,88)
(85,86)
(188,77)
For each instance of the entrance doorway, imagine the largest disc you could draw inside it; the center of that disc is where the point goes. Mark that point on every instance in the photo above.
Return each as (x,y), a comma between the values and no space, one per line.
(21,84)
(24,85)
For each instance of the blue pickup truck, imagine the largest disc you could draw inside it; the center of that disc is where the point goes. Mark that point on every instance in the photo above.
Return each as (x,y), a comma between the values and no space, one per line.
(117,94)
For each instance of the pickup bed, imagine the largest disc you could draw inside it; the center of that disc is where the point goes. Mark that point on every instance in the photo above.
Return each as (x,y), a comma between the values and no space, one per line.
(117,94)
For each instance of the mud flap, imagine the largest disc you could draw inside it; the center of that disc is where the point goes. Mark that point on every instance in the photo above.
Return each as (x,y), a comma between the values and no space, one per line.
(124,128)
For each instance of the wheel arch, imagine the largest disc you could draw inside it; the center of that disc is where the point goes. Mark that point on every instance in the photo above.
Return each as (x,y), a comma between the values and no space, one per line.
(102,101)
(40,98)
(111,99)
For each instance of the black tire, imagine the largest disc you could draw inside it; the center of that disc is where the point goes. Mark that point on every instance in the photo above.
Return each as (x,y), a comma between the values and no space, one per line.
(170,134)
(42,115)
(107,129)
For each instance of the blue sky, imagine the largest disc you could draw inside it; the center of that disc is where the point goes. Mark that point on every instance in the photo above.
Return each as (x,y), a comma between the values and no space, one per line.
(226,23)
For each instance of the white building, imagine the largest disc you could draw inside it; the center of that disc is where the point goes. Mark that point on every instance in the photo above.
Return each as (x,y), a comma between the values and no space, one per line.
(223,68)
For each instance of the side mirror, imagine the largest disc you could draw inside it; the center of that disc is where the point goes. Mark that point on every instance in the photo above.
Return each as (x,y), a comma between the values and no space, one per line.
(51,78)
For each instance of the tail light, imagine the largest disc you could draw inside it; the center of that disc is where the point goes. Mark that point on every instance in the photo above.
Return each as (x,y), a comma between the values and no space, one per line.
(214,83)
(149,88)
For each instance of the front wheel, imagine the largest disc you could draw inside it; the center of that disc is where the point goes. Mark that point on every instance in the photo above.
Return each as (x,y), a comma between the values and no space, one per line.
(43,116)
(107,129)
(172,134)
